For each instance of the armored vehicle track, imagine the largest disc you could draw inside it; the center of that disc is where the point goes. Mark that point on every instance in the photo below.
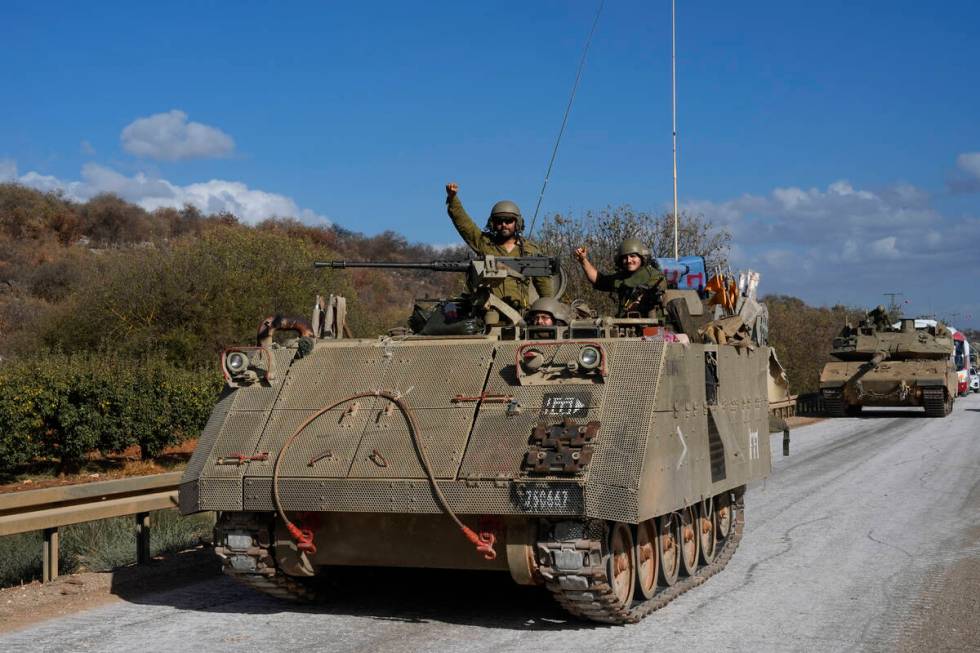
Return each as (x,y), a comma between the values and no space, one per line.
(595,593)
(593,586)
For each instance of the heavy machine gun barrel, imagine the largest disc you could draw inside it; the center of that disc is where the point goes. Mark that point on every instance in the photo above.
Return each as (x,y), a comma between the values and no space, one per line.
(437,266)
(527,266)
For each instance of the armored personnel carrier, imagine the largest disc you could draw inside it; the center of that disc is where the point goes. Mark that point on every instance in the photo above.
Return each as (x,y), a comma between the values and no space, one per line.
(883,364)
(604,458)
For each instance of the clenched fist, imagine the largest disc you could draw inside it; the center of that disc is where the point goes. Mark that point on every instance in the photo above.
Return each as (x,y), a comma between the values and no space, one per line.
(451,189)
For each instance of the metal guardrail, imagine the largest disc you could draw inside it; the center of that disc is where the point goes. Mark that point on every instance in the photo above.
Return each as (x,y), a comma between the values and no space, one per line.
(49,509)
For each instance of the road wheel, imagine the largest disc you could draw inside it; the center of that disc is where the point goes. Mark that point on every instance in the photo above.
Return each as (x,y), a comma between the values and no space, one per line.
(621,565)
(668,548)
(723,516)
(689,541)
(647,558)
(706,531)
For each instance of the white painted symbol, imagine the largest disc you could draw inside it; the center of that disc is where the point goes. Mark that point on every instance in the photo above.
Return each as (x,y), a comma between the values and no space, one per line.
(680,461)
(753,445)
(563,405)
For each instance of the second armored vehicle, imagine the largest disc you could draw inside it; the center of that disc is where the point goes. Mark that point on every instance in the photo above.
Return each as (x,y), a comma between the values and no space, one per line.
(880,364)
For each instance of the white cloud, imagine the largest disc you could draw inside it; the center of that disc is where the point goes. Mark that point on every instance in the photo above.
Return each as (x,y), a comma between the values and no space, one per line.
(169,137)
(8,170)
(845,243)
(248,204)
(966,178)
(969,162)
(885,247)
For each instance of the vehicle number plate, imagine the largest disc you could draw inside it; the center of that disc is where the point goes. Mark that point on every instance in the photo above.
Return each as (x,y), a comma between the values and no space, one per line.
(543,499)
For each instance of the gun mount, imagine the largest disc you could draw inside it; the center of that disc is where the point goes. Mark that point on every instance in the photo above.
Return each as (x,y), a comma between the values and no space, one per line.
(483,275)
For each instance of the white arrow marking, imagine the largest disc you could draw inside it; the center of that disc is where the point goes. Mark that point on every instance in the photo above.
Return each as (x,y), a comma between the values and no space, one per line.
(579,404)
(753,444)
(683,444)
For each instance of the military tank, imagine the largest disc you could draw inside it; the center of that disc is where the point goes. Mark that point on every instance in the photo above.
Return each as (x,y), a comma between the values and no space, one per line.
(605,458)
(879,363)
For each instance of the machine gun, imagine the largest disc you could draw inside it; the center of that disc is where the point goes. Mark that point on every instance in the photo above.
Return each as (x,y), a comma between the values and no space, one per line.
(483,273)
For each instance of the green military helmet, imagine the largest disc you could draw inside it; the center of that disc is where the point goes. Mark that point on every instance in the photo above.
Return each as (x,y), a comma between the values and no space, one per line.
(559,312)
(633,246)
(506,208)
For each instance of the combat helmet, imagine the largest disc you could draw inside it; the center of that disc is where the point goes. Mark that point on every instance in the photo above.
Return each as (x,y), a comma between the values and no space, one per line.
(633,246)
(506,208)
(559,312)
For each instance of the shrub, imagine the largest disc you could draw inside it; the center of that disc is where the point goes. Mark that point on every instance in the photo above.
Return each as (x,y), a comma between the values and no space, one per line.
(62,407)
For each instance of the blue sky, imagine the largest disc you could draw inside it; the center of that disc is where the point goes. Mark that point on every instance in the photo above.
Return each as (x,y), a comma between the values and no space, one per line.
(839,143)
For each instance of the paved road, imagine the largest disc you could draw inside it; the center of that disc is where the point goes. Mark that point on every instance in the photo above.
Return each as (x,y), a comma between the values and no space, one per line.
(866,539)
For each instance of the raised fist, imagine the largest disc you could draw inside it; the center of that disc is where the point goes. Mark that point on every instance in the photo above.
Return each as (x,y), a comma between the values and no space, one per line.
(581,254)
(451,189)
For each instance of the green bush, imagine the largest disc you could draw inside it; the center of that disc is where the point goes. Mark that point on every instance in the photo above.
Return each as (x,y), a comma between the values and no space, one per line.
(61,407)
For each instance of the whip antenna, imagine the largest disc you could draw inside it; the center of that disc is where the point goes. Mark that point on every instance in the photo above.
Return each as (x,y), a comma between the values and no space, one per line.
(673,88)
(564,120)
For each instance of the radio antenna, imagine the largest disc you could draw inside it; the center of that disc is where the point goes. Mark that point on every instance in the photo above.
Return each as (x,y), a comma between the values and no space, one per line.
(564,121)
(673,80)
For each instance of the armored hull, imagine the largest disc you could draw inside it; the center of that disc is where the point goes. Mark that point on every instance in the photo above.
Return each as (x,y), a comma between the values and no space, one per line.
(605,464)
(901,366)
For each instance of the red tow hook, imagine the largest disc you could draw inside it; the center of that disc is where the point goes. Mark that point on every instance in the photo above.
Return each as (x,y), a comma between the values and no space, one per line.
(303,538)
(483,542)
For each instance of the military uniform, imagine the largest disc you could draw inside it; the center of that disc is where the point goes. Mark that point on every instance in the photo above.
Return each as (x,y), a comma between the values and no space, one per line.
(878,317)
(514,291)
(624,287)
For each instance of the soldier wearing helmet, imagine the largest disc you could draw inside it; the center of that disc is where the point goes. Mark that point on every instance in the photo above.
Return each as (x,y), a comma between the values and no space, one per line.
(878,317)
(637,283)
(500,237)
(548,311)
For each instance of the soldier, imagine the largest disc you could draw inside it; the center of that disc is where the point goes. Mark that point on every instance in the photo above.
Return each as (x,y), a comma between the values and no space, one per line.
(500,237)
(548,311)
(879,318)
(638,282)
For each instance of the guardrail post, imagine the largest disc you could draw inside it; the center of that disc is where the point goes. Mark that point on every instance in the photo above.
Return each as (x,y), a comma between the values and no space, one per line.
(142,538)
(49,555)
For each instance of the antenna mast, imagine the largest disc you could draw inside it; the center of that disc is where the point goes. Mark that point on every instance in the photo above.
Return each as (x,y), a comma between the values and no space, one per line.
(564,120)
(892,304)
(673,78)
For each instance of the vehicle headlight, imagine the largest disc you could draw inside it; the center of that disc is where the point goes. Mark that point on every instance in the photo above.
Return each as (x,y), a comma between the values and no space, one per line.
(236,362)
(589,358)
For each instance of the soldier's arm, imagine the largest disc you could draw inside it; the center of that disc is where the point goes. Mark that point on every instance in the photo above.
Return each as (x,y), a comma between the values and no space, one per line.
(545,286)
(472,234)
(604,282)
(591,273)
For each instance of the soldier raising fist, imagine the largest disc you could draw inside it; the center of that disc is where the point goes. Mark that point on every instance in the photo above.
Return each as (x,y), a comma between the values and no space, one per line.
(500,237)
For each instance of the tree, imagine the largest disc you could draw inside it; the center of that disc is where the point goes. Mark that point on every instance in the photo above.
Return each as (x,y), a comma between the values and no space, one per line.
(803,337)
